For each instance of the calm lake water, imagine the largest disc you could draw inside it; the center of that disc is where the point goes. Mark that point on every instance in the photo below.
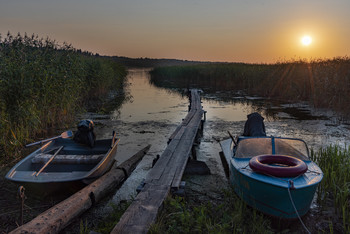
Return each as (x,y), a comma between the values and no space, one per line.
(153,113)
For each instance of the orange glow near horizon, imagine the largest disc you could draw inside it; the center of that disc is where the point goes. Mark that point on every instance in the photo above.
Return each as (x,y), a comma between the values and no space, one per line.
(194,30)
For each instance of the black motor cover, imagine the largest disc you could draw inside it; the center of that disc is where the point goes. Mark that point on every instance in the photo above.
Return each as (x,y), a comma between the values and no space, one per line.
(254,126)
(85,134)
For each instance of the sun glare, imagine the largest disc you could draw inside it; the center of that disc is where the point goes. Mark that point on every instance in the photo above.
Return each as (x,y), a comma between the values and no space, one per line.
(306,40)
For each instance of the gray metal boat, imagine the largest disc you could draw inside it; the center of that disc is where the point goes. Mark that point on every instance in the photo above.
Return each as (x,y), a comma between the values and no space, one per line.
(64,165)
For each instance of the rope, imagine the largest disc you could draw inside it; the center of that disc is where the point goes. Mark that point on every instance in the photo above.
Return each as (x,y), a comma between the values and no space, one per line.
(296,211)
(290,184)
(245,168)
(315,172)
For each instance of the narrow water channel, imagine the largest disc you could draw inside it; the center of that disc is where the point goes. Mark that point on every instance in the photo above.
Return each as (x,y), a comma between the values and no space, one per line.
(153,113)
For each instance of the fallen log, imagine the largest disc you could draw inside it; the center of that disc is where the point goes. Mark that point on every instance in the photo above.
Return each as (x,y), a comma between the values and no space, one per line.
(59,216)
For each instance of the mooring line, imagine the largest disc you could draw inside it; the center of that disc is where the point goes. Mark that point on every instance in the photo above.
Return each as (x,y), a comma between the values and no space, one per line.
(296,211)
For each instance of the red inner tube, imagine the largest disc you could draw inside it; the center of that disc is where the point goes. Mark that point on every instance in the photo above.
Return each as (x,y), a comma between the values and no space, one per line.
(291,166)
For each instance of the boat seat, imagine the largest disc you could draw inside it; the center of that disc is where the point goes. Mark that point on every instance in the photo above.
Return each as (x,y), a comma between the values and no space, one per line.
(68,159)
(29,176)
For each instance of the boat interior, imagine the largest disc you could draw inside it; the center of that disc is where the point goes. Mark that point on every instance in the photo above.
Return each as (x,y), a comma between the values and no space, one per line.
(72,158)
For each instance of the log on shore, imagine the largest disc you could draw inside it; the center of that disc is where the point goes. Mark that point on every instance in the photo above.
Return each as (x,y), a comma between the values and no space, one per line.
(59,216)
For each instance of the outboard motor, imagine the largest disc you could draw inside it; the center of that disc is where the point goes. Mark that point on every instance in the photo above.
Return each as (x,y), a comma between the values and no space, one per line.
(254,126)
(85,134)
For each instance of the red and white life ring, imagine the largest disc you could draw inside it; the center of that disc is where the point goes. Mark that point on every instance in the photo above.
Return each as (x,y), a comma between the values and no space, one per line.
(291,166)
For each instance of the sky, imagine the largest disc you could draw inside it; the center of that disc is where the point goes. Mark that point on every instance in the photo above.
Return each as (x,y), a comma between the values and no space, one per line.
(251,31)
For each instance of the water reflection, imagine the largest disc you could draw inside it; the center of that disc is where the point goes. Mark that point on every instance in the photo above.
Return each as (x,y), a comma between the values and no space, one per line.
(230,107)
(153,112)
(225,92)
(150,103)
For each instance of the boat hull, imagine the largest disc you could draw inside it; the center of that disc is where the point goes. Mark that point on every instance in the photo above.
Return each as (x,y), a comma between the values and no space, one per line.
(272,199)
(279,197)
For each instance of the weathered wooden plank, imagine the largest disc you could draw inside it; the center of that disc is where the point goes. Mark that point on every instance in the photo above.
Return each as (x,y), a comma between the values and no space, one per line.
(171,169)
(182,161)
(174,133)
(180,133)
(59,216)
(159,167)
(192,128)
(166,173)
(195,105)
(188,117)
(166,156)
(179,156)
(143,211)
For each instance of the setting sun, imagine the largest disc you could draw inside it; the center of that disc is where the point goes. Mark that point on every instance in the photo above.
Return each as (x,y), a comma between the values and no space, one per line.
(306,40)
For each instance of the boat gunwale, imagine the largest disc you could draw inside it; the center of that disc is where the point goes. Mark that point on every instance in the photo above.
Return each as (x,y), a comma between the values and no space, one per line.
(87,176)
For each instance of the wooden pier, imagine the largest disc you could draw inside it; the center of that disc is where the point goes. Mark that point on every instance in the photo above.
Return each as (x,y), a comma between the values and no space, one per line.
(166,174)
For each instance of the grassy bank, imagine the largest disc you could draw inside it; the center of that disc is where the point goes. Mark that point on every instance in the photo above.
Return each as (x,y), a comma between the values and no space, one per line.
(333,194)
(228,216)
(44,84)
(324,83)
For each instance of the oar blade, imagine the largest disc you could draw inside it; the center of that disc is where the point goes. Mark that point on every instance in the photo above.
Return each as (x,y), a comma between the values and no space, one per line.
(67,134)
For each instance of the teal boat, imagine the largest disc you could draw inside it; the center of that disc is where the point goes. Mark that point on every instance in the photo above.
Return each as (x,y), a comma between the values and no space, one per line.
(272,174)
(62,165)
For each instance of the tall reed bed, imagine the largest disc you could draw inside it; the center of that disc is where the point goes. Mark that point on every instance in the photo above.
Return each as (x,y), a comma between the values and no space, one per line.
(324,83)
(44,84)
(334,190)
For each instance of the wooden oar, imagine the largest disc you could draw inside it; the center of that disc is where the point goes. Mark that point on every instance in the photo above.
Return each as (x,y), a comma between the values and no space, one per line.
(232,137)
(113,139)
(50,160)
(66,134)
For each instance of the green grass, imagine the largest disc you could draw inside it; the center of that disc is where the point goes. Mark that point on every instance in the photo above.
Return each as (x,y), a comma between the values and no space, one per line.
(107,225)
(44,85)
(334,190)
(229,216)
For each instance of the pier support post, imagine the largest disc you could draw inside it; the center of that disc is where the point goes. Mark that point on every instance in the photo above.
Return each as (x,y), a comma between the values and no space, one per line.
(194,152)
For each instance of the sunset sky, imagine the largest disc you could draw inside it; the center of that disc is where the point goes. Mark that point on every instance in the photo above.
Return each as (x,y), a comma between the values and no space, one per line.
(260,31)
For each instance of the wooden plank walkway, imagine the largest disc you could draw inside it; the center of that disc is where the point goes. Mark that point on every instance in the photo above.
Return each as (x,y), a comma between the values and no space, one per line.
(166,174)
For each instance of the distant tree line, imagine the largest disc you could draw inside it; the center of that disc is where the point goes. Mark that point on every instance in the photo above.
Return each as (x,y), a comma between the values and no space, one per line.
(149,62)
